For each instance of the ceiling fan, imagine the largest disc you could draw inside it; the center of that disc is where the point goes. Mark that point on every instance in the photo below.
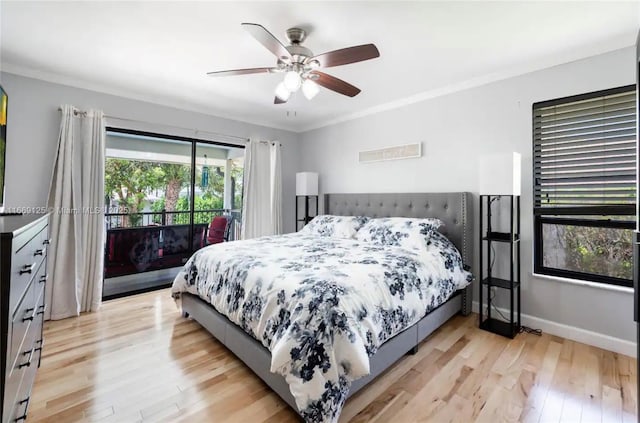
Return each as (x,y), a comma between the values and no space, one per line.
(300,66)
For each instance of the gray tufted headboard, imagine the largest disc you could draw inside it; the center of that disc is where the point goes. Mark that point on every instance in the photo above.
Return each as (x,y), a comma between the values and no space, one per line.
(450,207)
(453,208)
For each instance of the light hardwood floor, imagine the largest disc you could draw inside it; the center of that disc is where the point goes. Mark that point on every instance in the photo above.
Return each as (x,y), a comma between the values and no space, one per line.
(137,359)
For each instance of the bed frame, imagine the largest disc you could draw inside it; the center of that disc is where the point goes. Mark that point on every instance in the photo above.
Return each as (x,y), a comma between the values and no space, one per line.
(452,208)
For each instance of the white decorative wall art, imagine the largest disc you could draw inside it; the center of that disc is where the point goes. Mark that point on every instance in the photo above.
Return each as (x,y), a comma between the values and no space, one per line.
(407,151)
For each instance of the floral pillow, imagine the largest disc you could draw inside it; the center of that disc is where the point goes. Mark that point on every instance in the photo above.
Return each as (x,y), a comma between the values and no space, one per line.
(440,244)
(335,226)
(399,231)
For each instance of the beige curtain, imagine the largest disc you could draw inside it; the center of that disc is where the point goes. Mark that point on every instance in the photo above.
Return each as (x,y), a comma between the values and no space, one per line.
(262,192)
(76,197)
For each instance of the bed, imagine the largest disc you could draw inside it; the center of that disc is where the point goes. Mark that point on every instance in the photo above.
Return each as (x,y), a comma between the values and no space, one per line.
(355,359)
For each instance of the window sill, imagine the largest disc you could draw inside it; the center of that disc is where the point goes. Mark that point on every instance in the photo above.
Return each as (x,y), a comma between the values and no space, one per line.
(604,286)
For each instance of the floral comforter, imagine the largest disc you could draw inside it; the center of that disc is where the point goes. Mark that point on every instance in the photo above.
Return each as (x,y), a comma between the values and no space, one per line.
(321,305)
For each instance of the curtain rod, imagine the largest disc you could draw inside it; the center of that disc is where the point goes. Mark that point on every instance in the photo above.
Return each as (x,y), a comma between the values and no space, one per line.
(270,142)
(77,112)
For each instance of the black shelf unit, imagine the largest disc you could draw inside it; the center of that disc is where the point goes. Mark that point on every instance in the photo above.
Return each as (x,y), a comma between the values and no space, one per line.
(487,321)
(309,212)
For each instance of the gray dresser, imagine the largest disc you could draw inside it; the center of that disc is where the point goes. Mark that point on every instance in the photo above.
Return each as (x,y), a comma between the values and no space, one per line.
(23,252)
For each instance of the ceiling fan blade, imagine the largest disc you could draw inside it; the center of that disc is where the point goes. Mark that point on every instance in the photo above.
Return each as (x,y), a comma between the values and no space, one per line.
(277,100)
(242,71)
(267,39)
(335,84)
(347,55)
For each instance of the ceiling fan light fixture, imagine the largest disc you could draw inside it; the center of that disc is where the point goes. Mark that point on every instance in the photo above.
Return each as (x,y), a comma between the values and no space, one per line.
(282,92)
(310,89)
(300,65)
(292,81)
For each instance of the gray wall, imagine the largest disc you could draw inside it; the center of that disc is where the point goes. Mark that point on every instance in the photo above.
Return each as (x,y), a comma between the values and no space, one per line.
(456,129)
(34,121)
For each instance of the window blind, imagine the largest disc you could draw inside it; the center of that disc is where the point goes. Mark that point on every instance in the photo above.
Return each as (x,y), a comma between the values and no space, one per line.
(585,154)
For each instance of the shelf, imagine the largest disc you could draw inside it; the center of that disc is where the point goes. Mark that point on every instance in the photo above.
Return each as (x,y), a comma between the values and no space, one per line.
(500,327)
(509,324)
(500,283)
(501,237)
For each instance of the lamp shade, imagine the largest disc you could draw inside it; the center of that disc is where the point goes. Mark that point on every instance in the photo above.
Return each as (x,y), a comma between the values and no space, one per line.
(306,183)
(499,174)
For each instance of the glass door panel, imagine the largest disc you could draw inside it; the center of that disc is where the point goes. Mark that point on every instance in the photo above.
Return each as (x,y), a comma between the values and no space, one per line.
(148,203)
(217,193)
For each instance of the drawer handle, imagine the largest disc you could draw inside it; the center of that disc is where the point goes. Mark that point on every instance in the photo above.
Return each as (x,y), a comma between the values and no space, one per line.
(26,406)
(46,242)
(28,362)
(33,315)
(38,252)
(43,278)
(41,309)
(41,342)
(27,268)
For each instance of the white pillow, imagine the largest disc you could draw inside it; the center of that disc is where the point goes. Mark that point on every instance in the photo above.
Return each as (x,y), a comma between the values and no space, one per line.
(403,232)
(334,226)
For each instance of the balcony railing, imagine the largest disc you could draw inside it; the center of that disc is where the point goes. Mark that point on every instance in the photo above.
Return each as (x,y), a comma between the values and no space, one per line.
(145,241)
(168,218)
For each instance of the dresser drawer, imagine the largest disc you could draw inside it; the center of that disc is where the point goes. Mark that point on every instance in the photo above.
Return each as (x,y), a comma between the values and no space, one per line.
(20,377)
(21,374)
(26,313)
(11,391)
(20,405)
(25,262)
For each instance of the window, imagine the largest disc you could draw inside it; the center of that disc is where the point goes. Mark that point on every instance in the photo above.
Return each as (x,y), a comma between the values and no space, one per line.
(584,191)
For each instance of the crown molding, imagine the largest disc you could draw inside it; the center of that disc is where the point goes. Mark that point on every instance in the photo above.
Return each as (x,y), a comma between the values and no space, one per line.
(619,43)
(56,78)
(512,72)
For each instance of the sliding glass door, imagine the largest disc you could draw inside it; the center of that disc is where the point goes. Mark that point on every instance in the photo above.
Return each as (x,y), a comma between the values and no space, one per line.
(165,197)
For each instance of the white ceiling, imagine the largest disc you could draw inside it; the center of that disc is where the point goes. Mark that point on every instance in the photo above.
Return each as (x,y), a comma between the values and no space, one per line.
(160,51)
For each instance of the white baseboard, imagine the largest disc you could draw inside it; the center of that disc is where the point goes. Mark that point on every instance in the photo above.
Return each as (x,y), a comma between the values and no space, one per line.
(573,333)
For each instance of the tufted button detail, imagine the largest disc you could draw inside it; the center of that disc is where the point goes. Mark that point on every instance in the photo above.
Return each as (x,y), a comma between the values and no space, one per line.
(446,206)
(395,205)
(357,204)
(368,204)
(426,206)
(455,221)
(381,204)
